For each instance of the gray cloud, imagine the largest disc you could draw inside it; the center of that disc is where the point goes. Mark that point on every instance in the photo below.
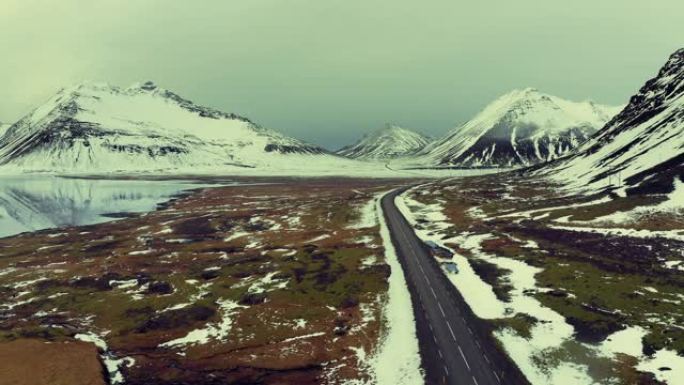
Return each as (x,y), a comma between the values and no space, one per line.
(326,71)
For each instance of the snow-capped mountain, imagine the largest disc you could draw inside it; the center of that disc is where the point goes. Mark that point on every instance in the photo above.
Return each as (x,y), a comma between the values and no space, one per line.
(521,128)
(389,142)
(642,147)
(98,127)
(3,128)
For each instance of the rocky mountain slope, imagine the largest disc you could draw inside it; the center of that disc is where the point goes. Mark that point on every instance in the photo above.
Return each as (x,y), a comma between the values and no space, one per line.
(3,128)
(521,128)
(642,148)
(98,127)
(390,142)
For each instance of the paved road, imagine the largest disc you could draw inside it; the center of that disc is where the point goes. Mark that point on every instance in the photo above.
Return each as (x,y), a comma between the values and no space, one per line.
(453,349)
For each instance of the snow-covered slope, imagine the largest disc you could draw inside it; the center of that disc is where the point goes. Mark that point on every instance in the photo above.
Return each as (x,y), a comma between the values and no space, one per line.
(97,127)
(390,142)
(3,128)
(521,128)
(640,148)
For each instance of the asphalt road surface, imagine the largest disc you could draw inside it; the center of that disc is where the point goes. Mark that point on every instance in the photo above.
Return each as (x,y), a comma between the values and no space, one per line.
(454,347)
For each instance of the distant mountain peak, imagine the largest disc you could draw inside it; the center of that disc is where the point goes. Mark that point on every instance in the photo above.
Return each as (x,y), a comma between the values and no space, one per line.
(147,86)
(389,142)
(392,127)
(522,92)
(3,128)
(520,128)
(96,127)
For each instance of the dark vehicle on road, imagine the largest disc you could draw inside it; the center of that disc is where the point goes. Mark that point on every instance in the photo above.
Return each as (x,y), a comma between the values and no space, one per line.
(438,251)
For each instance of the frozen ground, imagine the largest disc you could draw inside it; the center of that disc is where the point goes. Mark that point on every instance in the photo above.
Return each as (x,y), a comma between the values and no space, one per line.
(241,280)
(296,166)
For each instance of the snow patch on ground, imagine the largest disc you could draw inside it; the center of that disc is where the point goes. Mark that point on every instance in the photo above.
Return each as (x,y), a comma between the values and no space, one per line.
(629,341)
(268,283)
(367,216)
(664,359)
(218,331)
(110,361)
(673,204)
(318,238)
(545,210)
(235,235)
(615,231)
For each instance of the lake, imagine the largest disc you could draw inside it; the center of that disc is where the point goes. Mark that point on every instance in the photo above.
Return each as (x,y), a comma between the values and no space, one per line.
(30,203)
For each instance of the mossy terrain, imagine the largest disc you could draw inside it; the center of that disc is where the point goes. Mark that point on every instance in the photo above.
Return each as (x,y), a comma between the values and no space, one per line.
(600,282)
(304,281)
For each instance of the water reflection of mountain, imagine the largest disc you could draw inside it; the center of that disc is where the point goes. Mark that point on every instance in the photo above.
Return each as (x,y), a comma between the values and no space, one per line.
(34,203)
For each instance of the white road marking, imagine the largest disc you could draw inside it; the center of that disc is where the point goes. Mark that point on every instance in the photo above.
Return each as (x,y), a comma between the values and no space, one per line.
(416,261)
(451,331)
(463,356)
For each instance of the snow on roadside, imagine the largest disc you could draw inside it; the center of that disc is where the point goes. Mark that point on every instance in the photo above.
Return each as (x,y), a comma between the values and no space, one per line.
(396,360)
(550,333)
(479,295)
(546,336)
(367,215)
(111,363)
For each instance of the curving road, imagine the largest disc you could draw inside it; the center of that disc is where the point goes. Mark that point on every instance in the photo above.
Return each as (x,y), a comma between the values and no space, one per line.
(455,347)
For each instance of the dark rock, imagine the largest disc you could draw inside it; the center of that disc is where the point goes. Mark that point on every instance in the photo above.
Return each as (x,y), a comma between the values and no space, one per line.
(253,299)
(160,287)
(210,274)
(349,302)
(177,318)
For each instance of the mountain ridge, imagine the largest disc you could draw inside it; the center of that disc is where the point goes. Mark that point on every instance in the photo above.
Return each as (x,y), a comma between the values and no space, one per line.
(520,128)
(96,126)
(390,142)
(641,148)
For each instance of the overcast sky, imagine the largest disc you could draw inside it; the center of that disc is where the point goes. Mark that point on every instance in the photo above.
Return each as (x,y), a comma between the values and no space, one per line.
(328,70)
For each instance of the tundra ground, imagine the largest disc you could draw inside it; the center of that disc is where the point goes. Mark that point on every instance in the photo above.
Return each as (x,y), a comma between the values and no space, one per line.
(277,282)
(605,263)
